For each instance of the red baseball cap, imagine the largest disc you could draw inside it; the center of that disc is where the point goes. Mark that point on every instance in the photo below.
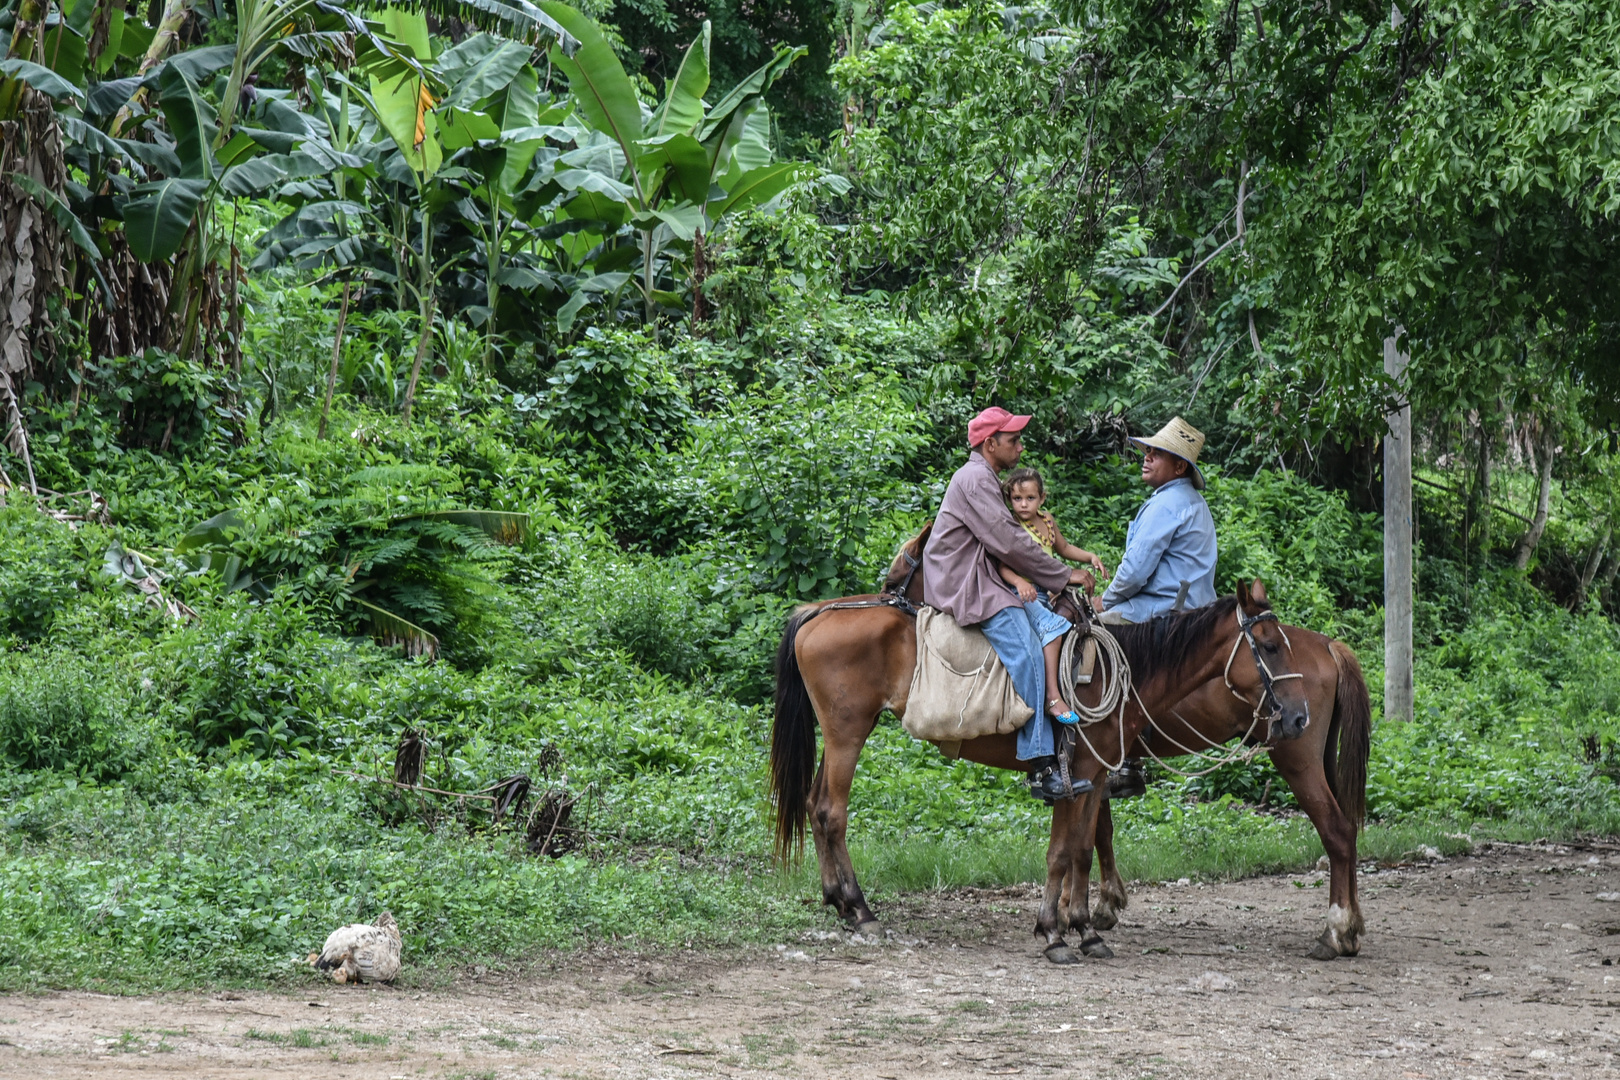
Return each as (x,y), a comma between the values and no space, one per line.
(992,420)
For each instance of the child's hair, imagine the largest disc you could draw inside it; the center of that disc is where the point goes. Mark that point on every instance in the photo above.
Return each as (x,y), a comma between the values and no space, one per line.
(1020,476)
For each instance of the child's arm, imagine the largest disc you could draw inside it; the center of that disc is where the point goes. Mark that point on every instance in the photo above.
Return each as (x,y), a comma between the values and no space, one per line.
(1026,591)
(1066,550)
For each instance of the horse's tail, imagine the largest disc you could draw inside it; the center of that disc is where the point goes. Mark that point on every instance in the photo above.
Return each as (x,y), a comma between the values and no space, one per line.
(1349,736)
(793,743)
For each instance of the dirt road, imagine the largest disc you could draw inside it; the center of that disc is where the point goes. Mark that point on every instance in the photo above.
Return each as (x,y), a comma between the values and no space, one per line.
(1491,965)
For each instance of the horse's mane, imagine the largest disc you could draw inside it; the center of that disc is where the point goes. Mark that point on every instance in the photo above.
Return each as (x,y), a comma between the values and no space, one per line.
(1167,644)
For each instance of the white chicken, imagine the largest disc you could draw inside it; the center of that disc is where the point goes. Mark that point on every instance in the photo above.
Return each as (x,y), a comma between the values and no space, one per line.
(361,952)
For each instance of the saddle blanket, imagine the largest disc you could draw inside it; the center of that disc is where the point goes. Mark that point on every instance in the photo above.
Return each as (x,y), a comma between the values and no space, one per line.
(960,689)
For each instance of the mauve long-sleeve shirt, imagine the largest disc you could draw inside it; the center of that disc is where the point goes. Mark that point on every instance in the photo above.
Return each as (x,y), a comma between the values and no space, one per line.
(974,530)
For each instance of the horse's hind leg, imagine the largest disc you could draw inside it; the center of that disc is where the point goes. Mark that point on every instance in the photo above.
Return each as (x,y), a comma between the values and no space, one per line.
(1111,895)
(829,819)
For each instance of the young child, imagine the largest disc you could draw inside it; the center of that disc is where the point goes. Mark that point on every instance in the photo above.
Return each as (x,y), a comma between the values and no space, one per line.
(1026,494)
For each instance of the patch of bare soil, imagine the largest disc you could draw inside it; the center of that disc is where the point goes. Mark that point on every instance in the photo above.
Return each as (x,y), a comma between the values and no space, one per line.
(1492,965)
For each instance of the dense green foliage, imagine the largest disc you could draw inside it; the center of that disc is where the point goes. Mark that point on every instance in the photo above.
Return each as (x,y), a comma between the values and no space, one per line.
(578,467)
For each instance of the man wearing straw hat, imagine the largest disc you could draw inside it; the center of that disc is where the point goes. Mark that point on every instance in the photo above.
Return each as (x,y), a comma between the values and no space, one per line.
(1169,557)
(1169,561)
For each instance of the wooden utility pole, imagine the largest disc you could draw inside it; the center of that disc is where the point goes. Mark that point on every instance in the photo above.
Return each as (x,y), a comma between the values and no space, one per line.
(1398,542)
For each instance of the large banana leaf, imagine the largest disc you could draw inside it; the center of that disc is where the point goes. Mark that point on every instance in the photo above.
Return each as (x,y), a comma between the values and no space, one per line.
(516,19)
(683,163)
(756,187)
(254,176)
(190,120)
(753,150)
(461,128)
(400,104)
(216,530)
(753,86)
(41,78)
(479,67)
(502,526)
(157,216)
(390,629)
(597,79)
(195,64)
(408,28)
(682,110)
(683,220)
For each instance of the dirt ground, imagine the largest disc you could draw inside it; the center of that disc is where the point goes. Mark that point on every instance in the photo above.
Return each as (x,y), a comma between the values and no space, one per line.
(1489,965)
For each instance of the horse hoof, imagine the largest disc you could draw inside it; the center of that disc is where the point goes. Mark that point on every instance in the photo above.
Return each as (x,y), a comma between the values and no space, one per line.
(871,928)
(1097,949)
(1323,951)
(1103,919)
(1061,954)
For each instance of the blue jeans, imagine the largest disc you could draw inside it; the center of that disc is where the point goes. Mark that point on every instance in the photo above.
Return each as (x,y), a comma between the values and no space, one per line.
(1018,634)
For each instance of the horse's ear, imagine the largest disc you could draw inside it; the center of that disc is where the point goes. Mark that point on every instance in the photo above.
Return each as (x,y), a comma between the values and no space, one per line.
(1257,592)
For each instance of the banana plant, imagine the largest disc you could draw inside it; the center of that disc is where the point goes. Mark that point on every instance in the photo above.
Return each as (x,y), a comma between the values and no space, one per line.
(686,165)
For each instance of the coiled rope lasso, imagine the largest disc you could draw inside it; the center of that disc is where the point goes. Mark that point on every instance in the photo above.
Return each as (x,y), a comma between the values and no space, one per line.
(1112,676)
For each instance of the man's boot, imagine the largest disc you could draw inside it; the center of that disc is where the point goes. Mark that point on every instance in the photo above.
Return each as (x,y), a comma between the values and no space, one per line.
(1052,780)
(1128,780)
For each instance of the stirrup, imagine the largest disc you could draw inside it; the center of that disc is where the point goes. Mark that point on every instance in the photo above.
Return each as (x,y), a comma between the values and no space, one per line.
(1048,786)
(1128,781)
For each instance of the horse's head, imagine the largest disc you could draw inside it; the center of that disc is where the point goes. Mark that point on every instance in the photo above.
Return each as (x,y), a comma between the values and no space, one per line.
(1270,682)
(905,572)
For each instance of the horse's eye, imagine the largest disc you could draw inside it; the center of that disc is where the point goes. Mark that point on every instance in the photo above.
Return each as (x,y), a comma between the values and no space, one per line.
(1269,646)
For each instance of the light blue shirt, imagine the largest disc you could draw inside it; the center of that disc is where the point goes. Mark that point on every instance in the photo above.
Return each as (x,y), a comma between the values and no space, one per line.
(1172,540)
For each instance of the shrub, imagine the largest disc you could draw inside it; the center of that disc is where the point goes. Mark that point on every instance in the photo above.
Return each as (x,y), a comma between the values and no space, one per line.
(58,711)
(42,568)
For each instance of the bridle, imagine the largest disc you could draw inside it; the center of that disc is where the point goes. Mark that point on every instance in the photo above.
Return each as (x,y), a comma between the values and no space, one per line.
(913,564)
(1268,681)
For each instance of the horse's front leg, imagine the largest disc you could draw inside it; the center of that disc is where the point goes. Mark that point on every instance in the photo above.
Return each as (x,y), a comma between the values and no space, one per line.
(829,821)
(1057,901)
(1303,772)
(1084,839)
(1111,895)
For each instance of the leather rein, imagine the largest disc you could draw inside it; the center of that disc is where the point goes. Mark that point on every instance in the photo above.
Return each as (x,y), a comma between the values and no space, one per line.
(891,597)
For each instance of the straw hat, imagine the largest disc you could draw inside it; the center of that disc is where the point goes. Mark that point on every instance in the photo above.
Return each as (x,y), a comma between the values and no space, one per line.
(1181,439)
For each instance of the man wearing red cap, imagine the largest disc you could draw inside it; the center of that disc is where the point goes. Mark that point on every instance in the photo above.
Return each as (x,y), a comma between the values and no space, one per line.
(973,532)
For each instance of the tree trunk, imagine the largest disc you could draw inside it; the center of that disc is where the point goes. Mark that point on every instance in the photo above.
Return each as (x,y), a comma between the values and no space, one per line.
(1593,561)
(647,279)
(1611,569)
(1546,449)
(337,350)
(1397,545)
(416,365)
(1482,493)
(700,270)
(29,14)
(492,285)
(175,14)
(424,297)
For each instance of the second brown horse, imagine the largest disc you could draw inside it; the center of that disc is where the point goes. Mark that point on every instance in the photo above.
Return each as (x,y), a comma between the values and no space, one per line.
(841,667)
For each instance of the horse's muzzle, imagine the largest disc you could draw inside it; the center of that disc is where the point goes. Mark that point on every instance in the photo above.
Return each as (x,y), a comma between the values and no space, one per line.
(1288,724)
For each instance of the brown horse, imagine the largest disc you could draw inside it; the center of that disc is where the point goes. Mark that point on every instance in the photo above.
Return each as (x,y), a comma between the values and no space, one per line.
(1326,769)
(842,664)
